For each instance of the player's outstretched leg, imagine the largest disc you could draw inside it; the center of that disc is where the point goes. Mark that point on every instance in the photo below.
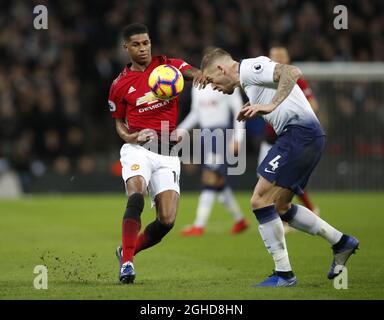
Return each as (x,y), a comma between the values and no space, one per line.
(153,233)
(272,232)
(130,229)
(343,245)
(166,209)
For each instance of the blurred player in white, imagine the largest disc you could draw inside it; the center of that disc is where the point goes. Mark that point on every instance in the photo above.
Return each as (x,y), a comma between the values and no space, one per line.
(213,110)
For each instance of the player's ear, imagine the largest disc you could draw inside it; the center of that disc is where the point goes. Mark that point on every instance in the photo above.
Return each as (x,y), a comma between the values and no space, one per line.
(221,68)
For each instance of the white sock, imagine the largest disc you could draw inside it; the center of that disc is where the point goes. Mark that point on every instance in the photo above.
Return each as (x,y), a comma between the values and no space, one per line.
(227,199)
(272,233)
(305,220)
(204,207)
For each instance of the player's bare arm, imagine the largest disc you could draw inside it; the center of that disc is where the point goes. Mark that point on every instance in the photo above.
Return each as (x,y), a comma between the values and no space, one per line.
(196,75)
(286,76)
(136,137)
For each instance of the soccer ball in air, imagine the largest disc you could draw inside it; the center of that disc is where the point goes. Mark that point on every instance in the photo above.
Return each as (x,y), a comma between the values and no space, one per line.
(166,82)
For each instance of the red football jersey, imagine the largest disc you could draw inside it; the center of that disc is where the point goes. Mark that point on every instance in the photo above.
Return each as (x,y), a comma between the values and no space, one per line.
(131,98)
(304,86)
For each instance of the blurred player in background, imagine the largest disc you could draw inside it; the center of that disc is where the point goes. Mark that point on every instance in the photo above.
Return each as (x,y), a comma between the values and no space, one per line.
(212,110)
(273,93)
(281,55)
(138,115)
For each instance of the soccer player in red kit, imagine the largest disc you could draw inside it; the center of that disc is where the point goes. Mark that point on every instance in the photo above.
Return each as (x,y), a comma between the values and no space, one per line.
(139,116)
(280,55)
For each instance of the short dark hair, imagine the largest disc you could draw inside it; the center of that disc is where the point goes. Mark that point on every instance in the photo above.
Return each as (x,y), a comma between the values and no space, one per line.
(211,54)
(132,29)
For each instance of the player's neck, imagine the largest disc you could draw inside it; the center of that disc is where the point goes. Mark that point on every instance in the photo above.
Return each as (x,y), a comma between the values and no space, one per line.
(139,67)
(236,74)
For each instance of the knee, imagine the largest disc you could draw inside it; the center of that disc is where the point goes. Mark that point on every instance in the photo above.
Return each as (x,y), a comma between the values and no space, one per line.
(168,220)
(257,201)
(135,205)
(282,206)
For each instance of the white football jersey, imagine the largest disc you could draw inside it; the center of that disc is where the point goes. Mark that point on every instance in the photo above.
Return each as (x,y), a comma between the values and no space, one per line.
(212,109)
(256,78)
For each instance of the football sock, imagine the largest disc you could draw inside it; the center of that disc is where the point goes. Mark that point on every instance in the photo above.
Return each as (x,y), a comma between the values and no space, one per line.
(131,225)
(152,235)
(306,201)
(303,219)
(227,199)
(204,207)
(272,232)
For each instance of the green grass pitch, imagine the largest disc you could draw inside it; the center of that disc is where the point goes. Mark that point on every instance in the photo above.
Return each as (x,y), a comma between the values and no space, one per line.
(76,236)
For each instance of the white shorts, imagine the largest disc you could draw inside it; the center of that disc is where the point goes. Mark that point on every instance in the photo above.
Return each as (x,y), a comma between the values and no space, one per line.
(160,172)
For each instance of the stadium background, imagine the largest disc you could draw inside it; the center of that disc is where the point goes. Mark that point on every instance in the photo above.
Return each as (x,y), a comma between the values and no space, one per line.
(56,132)
(57,136)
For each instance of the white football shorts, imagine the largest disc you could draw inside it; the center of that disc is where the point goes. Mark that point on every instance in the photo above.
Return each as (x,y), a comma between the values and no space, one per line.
(160,172)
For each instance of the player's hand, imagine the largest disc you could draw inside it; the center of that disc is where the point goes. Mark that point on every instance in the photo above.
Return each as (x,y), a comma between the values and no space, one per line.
(251,111)
(246,105)
(179,134)
(145,135)
(199,81)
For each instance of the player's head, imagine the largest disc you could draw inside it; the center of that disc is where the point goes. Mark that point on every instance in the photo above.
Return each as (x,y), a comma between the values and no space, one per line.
(220,69)
(137,43)
(279,54)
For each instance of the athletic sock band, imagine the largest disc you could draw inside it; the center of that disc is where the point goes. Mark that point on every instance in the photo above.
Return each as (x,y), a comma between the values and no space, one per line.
(266,214)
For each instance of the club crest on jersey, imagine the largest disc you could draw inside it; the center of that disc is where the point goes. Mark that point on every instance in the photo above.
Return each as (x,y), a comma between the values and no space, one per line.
(135,167)
(149,98)
(257,68)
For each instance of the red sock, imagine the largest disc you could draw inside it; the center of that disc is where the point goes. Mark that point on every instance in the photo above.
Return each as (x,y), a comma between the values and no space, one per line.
(131,228)
(306,201)
(142,242)
(152,235)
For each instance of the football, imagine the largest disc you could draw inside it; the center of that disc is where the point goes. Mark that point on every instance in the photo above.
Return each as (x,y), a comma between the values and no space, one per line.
(166,82)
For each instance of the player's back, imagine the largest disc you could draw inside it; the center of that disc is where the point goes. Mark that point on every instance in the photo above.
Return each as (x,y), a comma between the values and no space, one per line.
(256,77)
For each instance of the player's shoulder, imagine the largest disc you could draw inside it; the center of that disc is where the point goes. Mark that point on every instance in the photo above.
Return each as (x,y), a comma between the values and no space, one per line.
(176,62)
(120,82)
(252,68)
(121,78)
(254,64)
(162,59)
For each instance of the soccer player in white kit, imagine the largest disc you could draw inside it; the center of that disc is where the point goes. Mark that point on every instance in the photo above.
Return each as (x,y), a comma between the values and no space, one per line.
(273,93)
(212,110)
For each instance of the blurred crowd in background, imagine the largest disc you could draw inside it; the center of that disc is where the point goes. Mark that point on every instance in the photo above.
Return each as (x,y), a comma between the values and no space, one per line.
(54,83)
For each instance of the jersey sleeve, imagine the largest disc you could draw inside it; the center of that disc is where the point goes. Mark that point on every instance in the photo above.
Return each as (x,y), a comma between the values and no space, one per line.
(180,64)
(304,86)
(258,71)
(115,101)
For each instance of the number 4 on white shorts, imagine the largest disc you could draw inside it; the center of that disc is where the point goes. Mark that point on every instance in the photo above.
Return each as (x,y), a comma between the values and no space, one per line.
(274,163)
